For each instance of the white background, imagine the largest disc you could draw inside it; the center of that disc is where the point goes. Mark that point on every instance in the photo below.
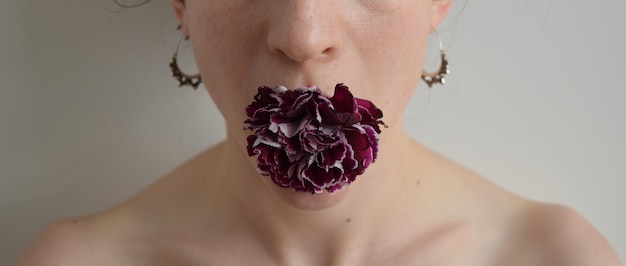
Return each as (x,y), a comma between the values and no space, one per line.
(89,114)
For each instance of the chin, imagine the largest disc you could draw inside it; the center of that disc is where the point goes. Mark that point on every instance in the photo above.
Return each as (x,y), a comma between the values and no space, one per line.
(308,201)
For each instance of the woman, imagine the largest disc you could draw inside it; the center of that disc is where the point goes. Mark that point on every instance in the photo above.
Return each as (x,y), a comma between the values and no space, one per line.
(409,207)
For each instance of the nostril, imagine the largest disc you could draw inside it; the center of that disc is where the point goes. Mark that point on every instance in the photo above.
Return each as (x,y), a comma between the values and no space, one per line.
(303,52)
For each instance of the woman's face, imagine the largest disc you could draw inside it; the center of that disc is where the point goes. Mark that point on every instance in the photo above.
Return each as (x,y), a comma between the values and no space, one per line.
(375,47)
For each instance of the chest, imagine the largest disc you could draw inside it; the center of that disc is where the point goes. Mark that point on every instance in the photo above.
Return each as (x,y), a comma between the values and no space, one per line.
(463,245)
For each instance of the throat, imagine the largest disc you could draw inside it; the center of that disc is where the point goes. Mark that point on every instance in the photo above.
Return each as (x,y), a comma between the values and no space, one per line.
(335,228)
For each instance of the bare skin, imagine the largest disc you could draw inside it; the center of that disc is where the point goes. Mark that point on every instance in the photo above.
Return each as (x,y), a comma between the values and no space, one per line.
(411,207)
(447,215)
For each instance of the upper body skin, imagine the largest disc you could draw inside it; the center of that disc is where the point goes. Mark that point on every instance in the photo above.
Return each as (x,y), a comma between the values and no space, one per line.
(411,207)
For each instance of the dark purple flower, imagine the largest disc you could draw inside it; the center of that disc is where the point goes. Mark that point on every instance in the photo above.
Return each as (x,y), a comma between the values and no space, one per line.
(309,142)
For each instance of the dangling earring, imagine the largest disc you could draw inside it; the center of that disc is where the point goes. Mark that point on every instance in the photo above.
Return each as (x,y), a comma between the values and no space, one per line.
(439,75)
(183,79)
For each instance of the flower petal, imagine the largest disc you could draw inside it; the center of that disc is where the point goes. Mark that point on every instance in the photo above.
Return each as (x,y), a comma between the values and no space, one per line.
(311,143)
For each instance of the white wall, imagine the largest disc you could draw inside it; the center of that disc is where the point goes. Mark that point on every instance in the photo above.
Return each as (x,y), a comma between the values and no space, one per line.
(89,113)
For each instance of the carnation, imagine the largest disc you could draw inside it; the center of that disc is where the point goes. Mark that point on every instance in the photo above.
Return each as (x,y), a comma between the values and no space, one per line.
(311,143)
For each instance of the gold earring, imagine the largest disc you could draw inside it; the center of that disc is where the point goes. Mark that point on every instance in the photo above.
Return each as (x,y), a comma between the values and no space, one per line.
(183,79)
(437,77)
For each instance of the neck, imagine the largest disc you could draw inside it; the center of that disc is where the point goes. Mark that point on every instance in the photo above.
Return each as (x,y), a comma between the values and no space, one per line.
(348,225)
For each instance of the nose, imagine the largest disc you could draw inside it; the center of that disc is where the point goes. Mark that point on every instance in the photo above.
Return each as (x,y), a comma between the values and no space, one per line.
(304,30)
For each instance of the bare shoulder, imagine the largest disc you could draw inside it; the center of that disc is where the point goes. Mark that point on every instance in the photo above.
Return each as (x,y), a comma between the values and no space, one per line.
(517,231)
(143,230)
(559,235)
(69,242)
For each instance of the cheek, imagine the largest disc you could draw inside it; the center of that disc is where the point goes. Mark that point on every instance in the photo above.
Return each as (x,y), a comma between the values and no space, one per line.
(394,59)
(226,36)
